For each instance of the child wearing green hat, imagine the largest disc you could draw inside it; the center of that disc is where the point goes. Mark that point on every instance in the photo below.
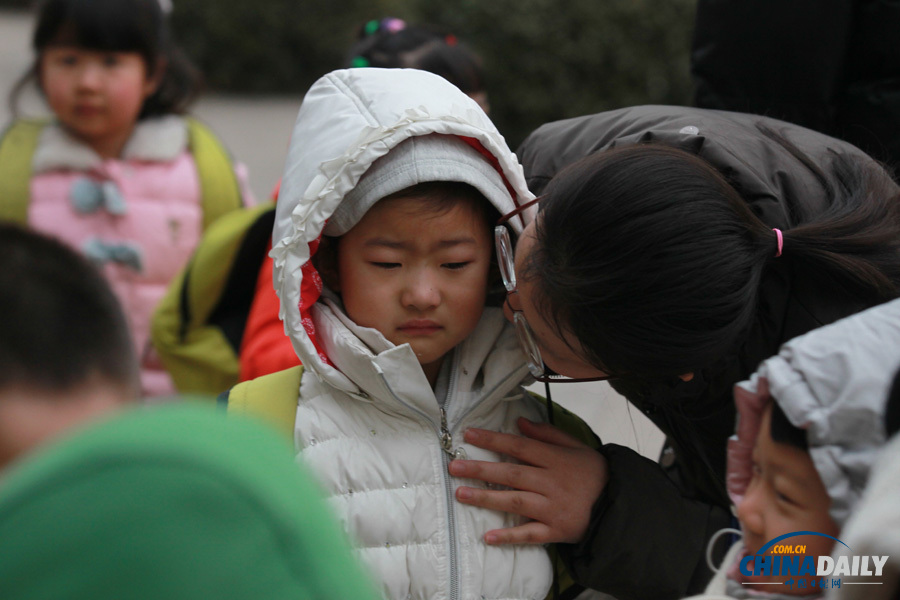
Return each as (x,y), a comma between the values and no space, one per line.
(167,503)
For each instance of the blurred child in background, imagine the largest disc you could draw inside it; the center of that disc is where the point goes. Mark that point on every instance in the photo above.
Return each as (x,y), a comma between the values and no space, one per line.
(173,502)
(118,173)
(65,354)
(391,43)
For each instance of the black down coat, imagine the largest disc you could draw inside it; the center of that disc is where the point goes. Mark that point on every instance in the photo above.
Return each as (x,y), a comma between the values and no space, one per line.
(830,65)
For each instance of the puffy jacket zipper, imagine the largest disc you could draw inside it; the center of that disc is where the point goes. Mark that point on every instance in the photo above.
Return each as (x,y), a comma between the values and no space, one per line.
(445,439)
(451,533)
(447,446)
(450,454)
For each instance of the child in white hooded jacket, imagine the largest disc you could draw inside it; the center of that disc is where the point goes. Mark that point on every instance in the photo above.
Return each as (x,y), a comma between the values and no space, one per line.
(383,263)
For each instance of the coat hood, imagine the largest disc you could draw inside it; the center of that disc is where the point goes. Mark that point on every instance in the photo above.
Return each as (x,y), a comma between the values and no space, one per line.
(348,120)
(834,383)
(874,528)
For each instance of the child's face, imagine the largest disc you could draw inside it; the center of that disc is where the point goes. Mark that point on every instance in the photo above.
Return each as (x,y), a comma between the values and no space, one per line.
(96,95)
(785,495)
(416,275)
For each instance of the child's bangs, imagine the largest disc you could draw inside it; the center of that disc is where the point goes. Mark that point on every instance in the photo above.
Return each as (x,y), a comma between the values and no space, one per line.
(785,432)
(439,197)
(101,26)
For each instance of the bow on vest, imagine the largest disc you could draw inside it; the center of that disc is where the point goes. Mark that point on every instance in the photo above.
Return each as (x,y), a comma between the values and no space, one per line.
(88,196)
(122,253)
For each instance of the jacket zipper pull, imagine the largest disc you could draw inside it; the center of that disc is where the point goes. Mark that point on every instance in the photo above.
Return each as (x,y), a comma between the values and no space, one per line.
(447,439)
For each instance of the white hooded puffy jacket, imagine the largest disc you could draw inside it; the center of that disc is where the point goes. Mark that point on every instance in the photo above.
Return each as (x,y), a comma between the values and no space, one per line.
(368,421)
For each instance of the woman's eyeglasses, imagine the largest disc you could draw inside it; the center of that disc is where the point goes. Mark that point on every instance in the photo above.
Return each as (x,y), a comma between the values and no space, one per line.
(507,263)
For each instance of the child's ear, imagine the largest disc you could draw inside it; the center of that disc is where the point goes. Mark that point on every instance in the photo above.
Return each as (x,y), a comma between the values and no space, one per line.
(325,262)
(331,280)
(154,79)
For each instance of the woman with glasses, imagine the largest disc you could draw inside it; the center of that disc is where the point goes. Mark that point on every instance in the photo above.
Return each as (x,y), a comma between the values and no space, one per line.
(674,249)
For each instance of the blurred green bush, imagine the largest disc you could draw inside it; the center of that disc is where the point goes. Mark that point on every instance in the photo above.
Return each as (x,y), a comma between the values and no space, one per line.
(548,60)
(544,59)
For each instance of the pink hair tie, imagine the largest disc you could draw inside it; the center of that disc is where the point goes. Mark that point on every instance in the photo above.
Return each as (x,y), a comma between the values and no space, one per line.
(780,241)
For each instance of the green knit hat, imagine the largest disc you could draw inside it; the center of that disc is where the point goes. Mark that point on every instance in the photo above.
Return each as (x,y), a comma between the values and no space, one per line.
(171,502)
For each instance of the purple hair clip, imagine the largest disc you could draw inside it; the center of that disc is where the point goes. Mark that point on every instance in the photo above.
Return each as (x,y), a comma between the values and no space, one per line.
(393,24)
(388,24)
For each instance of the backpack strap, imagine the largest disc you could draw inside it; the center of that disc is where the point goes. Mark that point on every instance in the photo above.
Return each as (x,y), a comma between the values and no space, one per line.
(219,187)
(17,148)
(198,325)
(270,397)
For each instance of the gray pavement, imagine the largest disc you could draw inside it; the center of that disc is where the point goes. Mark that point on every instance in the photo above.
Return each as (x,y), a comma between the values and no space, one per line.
(257,130)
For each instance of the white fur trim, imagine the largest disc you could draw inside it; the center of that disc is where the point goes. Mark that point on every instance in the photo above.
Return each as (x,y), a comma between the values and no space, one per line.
(158,140)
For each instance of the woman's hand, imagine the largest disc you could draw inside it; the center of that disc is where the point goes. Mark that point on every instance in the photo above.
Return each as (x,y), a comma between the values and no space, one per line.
(556,485)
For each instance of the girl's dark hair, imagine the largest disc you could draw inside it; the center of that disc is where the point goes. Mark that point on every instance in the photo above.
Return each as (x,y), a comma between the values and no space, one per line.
(658,259)
(440,197)
(785,432)
(390,44)
(60,323)
(117,26)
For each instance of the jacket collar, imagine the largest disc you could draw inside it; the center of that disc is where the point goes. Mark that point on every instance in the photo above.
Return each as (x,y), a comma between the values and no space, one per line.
(159,139)
(488,362)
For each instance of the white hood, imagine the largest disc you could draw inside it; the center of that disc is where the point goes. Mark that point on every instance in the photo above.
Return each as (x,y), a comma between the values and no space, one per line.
(348,119)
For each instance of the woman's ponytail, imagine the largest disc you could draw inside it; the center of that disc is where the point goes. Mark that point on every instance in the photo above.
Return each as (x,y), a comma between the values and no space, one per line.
(855,241)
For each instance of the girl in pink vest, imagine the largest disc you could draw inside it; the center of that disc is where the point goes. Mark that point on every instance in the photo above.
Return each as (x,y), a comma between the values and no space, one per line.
(113,173)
